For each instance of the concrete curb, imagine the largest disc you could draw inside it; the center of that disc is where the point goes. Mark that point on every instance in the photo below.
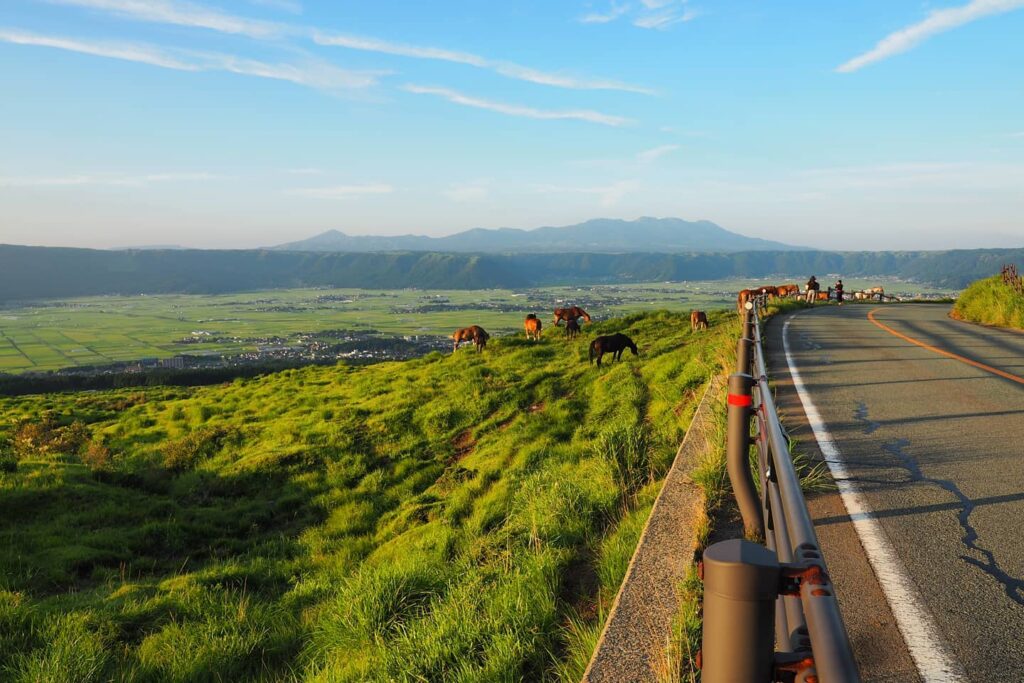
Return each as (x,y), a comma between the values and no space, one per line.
(633,643)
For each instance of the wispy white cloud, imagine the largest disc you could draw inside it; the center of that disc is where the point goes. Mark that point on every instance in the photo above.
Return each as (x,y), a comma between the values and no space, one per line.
(523,73)
(651,155)
(183,14)
(312,73)
(665,18)
(516,109)
(290,6)
(342,191)
(113,180)
(472,191)
(1017,135)
(648,14)
(399,49)
(144,54)
(613,13)
(937,22)
(507,69)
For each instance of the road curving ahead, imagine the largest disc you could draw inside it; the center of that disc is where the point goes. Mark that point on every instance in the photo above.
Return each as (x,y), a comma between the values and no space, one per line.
(927,415)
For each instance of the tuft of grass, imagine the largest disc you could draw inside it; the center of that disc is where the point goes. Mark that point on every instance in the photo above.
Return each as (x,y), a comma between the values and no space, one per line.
(580,636)
(991,302)
(679,658)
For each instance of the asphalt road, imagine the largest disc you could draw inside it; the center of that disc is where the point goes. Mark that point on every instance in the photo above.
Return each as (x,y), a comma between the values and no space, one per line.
(936,447)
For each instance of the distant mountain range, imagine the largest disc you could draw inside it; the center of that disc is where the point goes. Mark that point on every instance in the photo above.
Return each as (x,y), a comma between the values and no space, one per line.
(601,235)
(51,272)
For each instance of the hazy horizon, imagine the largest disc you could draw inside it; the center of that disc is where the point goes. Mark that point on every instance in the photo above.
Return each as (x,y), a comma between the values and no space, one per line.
(210,124)
(156,246)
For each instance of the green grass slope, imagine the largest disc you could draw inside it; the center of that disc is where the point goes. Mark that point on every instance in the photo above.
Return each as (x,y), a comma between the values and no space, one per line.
(460,517)
(991,302)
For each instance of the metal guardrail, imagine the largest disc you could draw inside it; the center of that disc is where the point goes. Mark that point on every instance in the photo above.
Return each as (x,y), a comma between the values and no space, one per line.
(770,611)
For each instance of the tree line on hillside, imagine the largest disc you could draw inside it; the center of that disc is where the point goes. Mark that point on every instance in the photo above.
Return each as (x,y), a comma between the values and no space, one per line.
(48,272)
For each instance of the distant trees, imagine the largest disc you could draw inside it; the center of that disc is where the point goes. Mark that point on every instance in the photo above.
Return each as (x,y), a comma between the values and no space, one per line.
(44,272)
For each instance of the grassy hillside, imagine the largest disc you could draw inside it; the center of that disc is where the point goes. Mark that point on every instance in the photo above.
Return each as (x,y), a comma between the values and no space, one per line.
(465,517)
(991,302)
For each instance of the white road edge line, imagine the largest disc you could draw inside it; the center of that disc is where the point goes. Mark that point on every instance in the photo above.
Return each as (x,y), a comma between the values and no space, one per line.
(930,655)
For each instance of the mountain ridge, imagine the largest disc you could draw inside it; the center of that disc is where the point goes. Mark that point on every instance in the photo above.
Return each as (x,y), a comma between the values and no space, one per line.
(28,273)
(598,235)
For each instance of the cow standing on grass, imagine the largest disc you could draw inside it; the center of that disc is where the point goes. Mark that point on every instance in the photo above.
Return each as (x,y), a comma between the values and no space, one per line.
(698,320)
(533,327)
(474,333)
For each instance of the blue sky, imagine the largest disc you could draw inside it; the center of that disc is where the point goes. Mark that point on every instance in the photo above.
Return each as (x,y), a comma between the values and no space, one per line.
(875,124)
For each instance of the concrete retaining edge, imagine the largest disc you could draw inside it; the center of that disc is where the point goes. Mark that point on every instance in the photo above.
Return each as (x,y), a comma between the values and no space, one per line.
(635,637)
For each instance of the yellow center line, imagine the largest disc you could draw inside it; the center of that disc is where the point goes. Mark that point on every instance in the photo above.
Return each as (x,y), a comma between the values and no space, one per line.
(942,352)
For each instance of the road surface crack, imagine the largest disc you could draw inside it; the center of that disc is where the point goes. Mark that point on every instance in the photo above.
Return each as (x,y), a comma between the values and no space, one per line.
(1012,586)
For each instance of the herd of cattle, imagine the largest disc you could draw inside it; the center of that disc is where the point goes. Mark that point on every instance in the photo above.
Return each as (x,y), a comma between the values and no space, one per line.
(615,344)
(792,290)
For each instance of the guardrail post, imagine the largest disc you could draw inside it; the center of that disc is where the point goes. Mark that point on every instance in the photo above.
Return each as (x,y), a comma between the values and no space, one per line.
(737,450)
(741,582)
(743,354)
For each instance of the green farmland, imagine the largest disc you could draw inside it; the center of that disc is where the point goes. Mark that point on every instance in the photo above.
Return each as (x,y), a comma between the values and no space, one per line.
(49,335)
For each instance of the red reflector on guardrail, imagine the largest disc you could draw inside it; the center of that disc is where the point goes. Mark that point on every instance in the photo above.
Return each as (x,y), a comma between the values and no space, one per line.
(740,400)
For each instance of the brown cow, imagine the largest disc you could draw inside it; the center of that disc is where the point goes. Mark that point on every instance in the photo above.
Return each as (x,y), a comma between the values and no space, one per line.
(788,290)
(533,327)
(698,320)
(572,328)
(823,296)
(474,333)
(573,312)
(743,297)
(746,295)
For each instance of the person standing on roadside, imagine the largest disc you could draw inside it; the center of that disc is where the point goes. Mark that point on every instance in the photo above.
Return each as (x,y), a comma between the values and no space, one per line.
(811,292)
(839,291)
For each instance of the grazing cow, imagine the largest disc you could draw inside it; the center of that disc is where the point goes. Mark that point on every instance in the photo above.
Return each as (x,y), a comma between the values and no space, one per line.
(746,295)
(698,320)
(572,328)
(823,296)
(743,297)
(533,327)
(770,290)
(574,313)
(875,291)
(614,344)
(474,333)
(788,290)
